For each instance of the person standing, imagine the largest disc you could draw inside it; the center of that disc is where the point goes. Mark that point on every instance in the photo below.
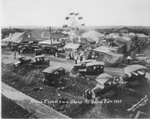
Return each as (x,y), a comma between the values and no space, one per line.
(15,53)
(54,53)
(19,48)
(75,58)
(81,57)
(84,57)
(129,59)
(78,59)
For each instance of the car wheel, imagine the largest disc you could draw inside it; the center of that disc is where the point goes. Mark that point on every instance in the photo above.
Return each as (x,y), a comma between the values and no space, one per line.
(119,89)
(13,66)
(144,81)
(81,78)
(78,77)
(67,74)
(74,71)
(44,81)
(126,86)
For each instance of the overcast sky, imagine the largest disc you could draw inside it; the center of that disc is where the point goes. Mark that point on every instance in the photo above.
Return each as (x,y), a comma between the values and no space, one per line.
(94,12)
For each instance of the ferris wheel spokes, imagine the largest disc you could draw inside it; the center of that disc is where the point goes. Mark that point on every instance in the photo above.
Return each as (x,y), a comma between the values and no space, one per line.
(73,20)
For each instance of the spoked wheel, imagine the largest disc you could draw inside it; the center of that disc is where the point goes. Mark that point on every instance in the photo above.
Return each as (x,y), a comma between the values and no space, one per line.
(67,74)
(13,67)
(45,82)
(74,71)
(144,81)
(119,89)
(30,66)
(80,78)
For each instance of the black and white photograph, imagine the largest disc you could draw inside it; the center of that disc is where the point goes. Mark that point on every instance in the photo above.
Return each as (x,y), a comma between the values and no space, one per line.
(75,59)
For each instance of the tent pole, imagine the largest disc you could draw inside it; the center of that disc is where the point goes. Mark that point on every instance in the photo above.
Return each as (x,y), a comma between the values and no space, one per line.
(50,30)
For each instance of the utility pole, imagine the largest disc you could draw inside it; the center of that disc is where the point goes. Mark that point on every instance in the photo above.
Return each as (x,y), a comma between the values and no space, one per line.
(10,31)
(50,30)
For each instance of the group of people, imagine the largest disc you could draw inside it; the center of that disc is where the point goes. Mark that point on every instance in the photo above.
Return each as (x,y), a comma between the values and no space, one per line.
(15,52)
(18,49)
(78,57)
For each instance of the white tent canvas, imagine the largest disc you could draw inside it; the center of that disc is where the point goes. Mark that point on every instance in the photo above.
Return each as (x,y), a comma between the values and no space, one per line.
(71,46)
(48,42)
(18,38)
(110,58)
(7,39)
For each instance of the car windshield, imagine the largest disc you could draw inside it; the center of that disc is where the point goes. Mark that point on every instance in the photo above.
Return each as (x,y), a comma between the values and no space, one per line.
(39,59)
(140,55)
(95,68)
(83,64)
(48,75)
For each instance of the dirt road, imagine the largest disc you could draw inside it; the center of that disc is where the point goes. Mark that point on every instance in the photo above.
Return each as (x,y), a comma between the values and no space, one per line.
(7,57)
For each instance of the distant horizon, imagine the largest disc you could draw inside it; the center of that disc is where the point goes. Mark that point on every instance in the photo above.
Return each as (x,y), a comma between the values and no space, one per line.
(44,26)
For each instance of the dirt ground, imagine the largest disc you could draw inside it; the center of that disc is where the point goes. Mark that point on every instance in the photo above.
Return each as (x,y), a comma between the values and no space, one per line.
(29,82)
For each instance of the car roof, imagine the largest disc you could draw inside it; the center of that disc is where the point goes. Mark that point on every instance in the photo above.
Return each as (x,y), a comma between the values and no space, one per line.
(95,63)
(86,61)
(135,67)
(51,69)
(39,56)
(38,49)
(35,46)
(102,78)
(20,57)
(140,55)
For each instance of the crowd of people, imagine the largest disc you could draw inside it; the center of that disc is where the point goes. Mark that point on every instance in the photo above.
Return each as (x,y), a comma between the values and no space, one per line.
(77,56)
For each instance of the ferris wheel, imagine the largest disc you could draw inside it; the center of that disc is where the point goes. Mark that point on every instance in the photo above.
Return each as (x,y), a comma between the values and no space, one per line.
(73,20)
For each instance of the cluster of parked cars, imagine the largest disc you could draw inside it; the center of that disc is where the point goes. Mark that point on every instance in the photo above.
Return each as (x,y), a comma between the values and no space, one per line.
(31,47)
(107,85)
(86,70)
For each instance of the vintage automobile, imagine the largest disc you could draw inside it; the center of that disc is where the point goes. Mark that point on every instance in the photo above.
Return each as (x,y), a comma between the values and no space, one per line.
(40,61)
(49,49)
(135,75)
(140,59)
(61,53)
(81,65)
(106,87)
(38,52)
(54,75)
(91,71)
(22,62)
(33,47)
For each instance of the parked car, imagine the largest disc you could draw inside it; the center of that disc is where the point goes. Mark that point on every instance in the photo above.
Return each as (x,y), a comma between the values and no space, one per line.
(106,87)
(40,61)
(54,75)
(49,49)
(22,61)
(91,71)
(33,47)
(135,75)
(3,44)
(38,52)
(141,57)
(81,65)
